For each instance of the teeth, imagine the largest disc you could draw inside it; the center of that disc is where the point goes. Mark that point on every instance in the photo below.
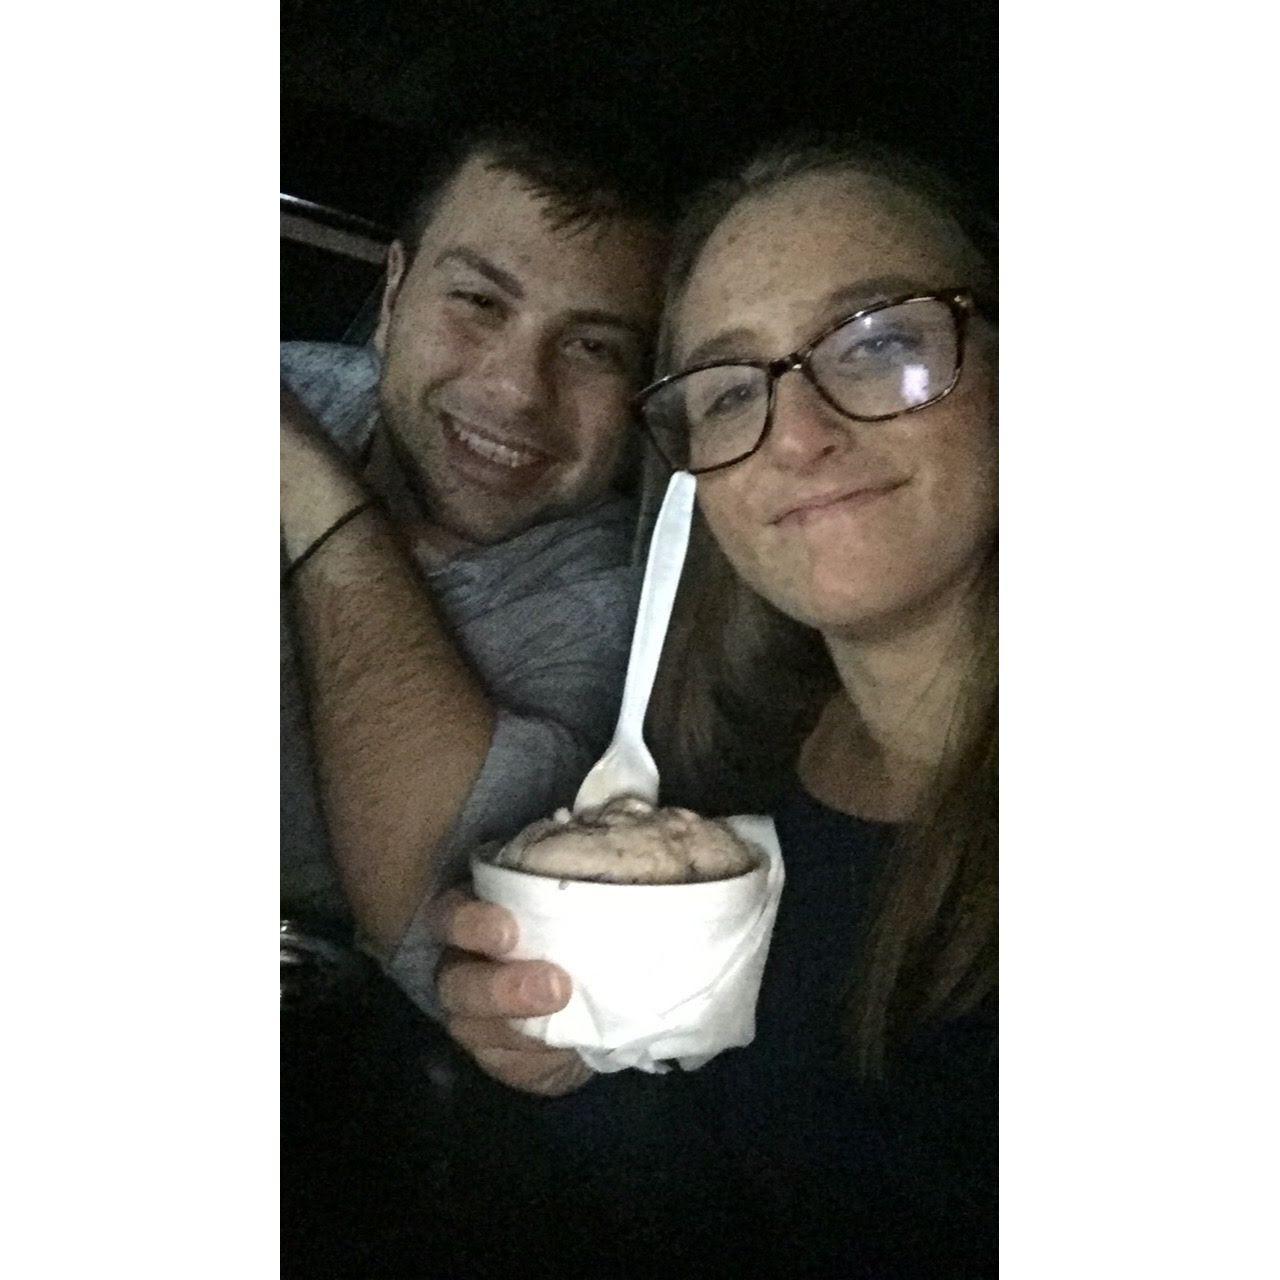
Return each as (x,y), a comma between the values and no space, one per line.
(491,450)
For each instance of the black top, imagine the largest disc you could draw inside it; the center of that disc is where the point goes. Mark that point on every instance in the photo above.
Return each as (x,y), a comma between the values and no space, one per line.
(775,1157)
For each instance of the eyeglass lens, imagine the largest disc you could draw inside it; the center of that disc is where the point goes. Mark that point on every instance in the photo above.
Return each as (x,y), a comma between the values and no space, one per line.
(874,366)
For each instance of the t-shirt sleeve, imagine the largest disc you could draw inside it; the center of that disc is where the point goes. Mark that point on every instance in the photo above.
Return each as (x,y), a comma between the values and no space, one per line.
(555,667)
(336,382)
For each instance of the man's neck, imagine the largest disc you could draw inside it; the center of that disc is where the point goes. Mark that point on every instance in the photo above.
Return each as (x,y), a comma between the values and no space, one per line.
(432,545)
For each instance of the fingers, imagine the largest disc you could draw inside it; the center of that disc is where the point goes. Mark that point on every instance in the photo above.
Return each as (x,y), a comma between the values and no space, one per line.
(458,920)
(475,988)
(517,1061)
(479,988)
(480,991)
(550,1076)
(492,1035)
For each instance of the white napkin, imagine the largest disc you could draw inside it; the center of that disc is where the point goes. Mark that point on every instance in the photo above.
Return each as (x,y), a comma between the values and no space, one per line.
(659,972)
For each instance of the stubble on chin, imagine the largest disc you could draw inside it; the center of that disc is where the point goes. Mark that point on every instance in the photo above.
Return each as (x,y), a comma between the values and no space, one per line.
(395,472)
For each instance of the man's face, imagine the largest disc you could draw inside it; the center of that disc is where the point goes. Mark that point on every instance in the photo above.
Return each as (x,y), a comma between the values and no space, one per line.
(510,354)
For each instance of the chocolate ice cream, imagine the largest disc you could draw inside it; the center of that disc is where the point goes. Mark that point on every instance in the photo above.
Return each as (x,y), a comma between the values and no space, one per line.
(629,841)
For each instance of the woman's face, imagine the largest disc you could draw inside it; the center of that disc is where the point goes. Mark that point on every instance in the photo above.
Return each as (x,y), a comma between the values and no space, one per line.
(851,527)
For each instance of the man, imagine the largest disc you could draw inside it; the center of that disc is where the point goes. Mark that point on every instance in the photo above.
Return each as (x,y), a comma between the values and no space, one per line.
(464,638)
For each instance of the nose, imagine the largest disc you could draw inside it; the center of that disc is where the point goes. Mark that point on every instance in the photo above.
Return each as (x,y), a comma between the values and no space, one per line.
(805,428)
(516,373)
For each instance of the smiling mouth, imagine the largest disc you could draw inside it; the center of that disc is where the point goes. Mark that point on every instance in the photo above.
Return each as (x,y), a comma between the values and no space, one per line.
(488,449)
(837,501)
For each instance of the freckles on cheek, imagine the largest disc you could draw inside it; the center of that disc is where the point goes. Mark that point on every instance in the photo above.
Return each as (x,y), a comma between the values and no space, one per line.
(717,510)
(965,490)
(753,553)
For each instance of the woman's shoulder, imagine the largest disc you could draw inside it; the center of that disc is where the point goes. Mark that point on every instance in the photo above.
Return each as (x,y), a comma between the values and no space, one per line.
(808,827)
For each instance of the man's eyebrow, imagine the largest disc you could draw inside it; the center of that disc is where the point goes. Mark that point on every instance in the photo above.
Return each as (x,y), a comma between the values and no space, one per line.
(509,284)
(480,264)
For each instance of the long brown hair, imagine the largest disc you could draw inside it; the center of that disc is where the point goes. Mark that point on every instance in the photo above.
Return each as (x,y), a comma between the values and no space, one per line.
(741,686)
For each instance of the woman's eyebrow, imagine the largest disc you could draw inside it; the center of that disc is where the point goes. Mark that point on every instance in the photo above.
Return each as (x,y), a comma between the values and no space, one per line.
(845,297)
(728,342)
(866,293)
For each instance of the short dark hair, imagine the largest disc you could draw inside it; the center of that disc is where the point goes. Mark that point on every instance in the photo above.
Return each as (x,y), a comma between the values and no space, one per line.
(579,190)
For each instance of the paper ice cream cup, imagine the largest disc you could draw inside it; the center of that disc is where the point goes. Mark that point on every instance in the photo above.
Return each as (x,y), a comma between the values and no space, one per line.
(660,972)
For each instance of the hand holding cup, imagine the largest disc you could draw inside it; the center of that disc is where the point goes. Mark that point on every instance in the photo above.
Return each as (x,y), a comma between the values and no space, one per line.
(481,992)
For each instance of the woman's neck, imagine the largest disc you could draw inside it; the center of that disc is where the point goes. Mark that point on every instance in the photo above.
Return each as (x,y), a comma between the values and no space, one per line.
(881,739)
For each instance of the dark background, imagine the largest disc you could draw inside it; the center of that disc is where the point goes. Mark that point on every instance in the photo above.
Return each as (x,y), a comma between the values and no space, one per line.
(372,88)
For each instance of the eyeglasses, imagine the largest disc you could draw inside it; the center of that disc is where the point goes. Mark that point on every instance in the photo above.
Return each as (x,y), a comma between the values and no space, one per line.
(883,361)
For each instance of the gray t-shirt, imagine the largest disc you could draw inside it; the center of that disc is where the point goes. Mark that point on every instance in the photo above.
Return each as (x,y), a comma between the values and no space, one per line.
(545,620)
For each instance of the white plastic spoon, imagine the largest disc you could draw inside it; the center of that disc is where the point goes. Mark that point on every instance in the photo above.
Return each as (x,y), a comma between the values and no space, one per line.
(627,768)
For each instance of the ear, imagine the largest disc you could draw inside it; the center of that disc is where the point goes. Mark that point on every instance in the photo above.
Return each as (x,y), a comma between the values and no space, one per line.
(396,263)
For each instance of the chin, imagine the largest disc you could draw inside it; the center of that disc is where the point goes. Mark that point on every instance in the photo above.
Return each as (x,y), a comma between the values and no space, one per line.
(475,521)
(840,617)
(484,532)
(859,603)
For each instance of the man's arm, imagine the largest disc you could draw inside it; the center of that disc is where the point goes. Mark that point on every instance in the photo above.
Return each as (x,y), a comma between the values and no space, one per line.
(401,725)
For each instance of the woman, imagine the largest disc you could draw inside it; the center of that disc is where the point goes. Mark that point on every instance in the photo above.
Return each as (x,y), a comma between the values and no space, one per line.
(842,624)
(830,359)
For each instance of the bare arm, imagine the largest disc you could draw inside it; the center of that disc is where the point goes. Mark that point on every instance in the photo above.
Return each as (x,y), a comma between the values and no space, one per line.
(401,725)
